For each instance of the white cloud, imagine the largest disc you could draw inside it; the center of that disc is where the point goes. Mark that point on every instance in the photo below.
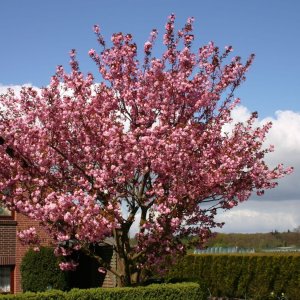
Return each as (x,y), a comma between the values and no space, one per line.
(278,208)
(285,136)
(261,216)
(16,88)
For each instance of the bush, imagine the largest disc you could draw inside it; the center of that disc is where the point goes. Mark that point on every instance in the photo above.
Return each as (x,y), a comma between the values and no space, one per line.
(255,276)
(49,295)
(179,291)
(152,292)
(40,271)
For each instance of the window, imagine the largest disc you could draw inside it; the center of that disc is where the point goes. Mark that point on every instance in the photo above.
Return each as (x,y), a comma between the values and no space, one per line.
(4,212)
(6,279)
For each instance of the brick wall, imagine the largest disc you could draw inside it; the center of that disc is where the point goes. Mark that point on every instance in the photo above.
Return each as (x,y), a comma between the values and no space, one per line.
(110,279)
(12,251)
(24,223)
(7,242)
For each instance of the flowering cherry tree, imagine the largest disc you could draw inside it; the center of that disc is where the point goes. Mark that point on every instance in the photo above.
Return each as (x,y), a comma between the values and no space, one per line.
(145,147)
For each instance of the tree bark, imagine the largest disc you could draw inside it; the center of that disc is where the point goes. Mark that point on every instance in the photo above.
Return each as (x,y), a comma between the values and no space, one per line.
(123,261)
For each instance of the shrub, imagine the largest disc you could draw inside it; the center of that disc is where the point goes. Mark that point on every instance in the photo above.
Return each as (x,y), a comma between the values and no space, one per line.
(49,295)
(40,271)
(257,276)
(179,291)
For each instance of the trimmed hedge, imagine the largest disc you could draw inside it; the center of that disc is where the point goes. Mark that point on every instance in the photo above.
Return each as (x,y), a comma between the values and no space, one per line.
(253,276)
(179,291)
(40,271)
(49,295)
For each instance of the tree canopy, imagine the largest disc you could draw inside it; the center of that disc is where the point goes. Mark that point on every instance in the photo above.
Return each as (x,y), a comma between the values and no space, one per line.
(145,145)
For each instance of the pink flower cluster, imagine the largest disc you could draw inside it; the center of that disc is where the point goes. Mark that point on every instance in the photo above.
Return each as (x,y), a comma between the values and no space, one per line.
(68,266)
(29,236)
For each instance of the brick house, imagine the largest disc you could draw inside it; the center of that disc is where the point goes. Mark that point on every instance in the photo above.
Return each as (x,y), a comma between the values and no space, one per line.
(12,252)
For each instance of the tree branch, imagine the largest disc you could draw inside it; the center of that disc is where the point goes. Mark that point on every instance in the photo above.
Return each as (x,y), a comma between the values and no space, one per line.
(89,178)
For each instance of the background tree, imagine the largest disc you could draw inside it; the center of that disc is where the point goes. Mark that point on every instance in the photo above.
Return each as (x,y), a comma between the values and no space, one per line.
(144,145)
(297,229)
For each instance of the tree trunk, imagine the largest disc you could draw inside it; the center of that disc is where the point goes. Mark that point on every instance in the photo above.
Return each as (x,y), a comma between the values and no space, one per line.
(123,264)
(124,270)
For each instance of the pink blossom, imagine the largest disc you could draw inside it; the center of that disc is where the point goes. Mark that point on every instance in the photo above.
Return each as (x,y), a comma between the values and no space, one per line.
(92,52)
(147,47)
(29,236)
(102,270)
(68,266)
(96,29)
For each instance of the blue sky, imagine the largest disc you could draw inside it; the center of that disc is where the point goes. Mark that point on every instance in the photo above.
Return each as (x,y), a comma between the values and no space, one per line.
(36,36)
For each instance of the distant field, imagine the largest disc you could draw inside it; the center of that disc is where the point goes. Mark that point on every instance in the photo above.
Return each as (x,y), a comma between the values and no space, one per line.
(258,241)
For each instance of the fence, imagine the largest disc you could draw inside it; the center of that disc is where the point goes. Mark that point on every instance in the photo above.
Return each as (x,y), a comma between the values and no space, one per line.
(225,250)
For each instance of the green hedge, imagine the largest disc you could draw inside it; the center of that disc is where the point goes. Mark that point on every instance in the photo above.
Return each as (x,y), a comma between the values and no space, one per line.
(253,276)
(40,271)
(49,295)
(179,291)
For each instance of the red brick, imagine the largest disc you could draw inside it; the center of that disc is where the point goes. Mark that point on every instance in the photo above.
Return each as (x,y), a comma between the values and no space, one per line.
(11,250)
